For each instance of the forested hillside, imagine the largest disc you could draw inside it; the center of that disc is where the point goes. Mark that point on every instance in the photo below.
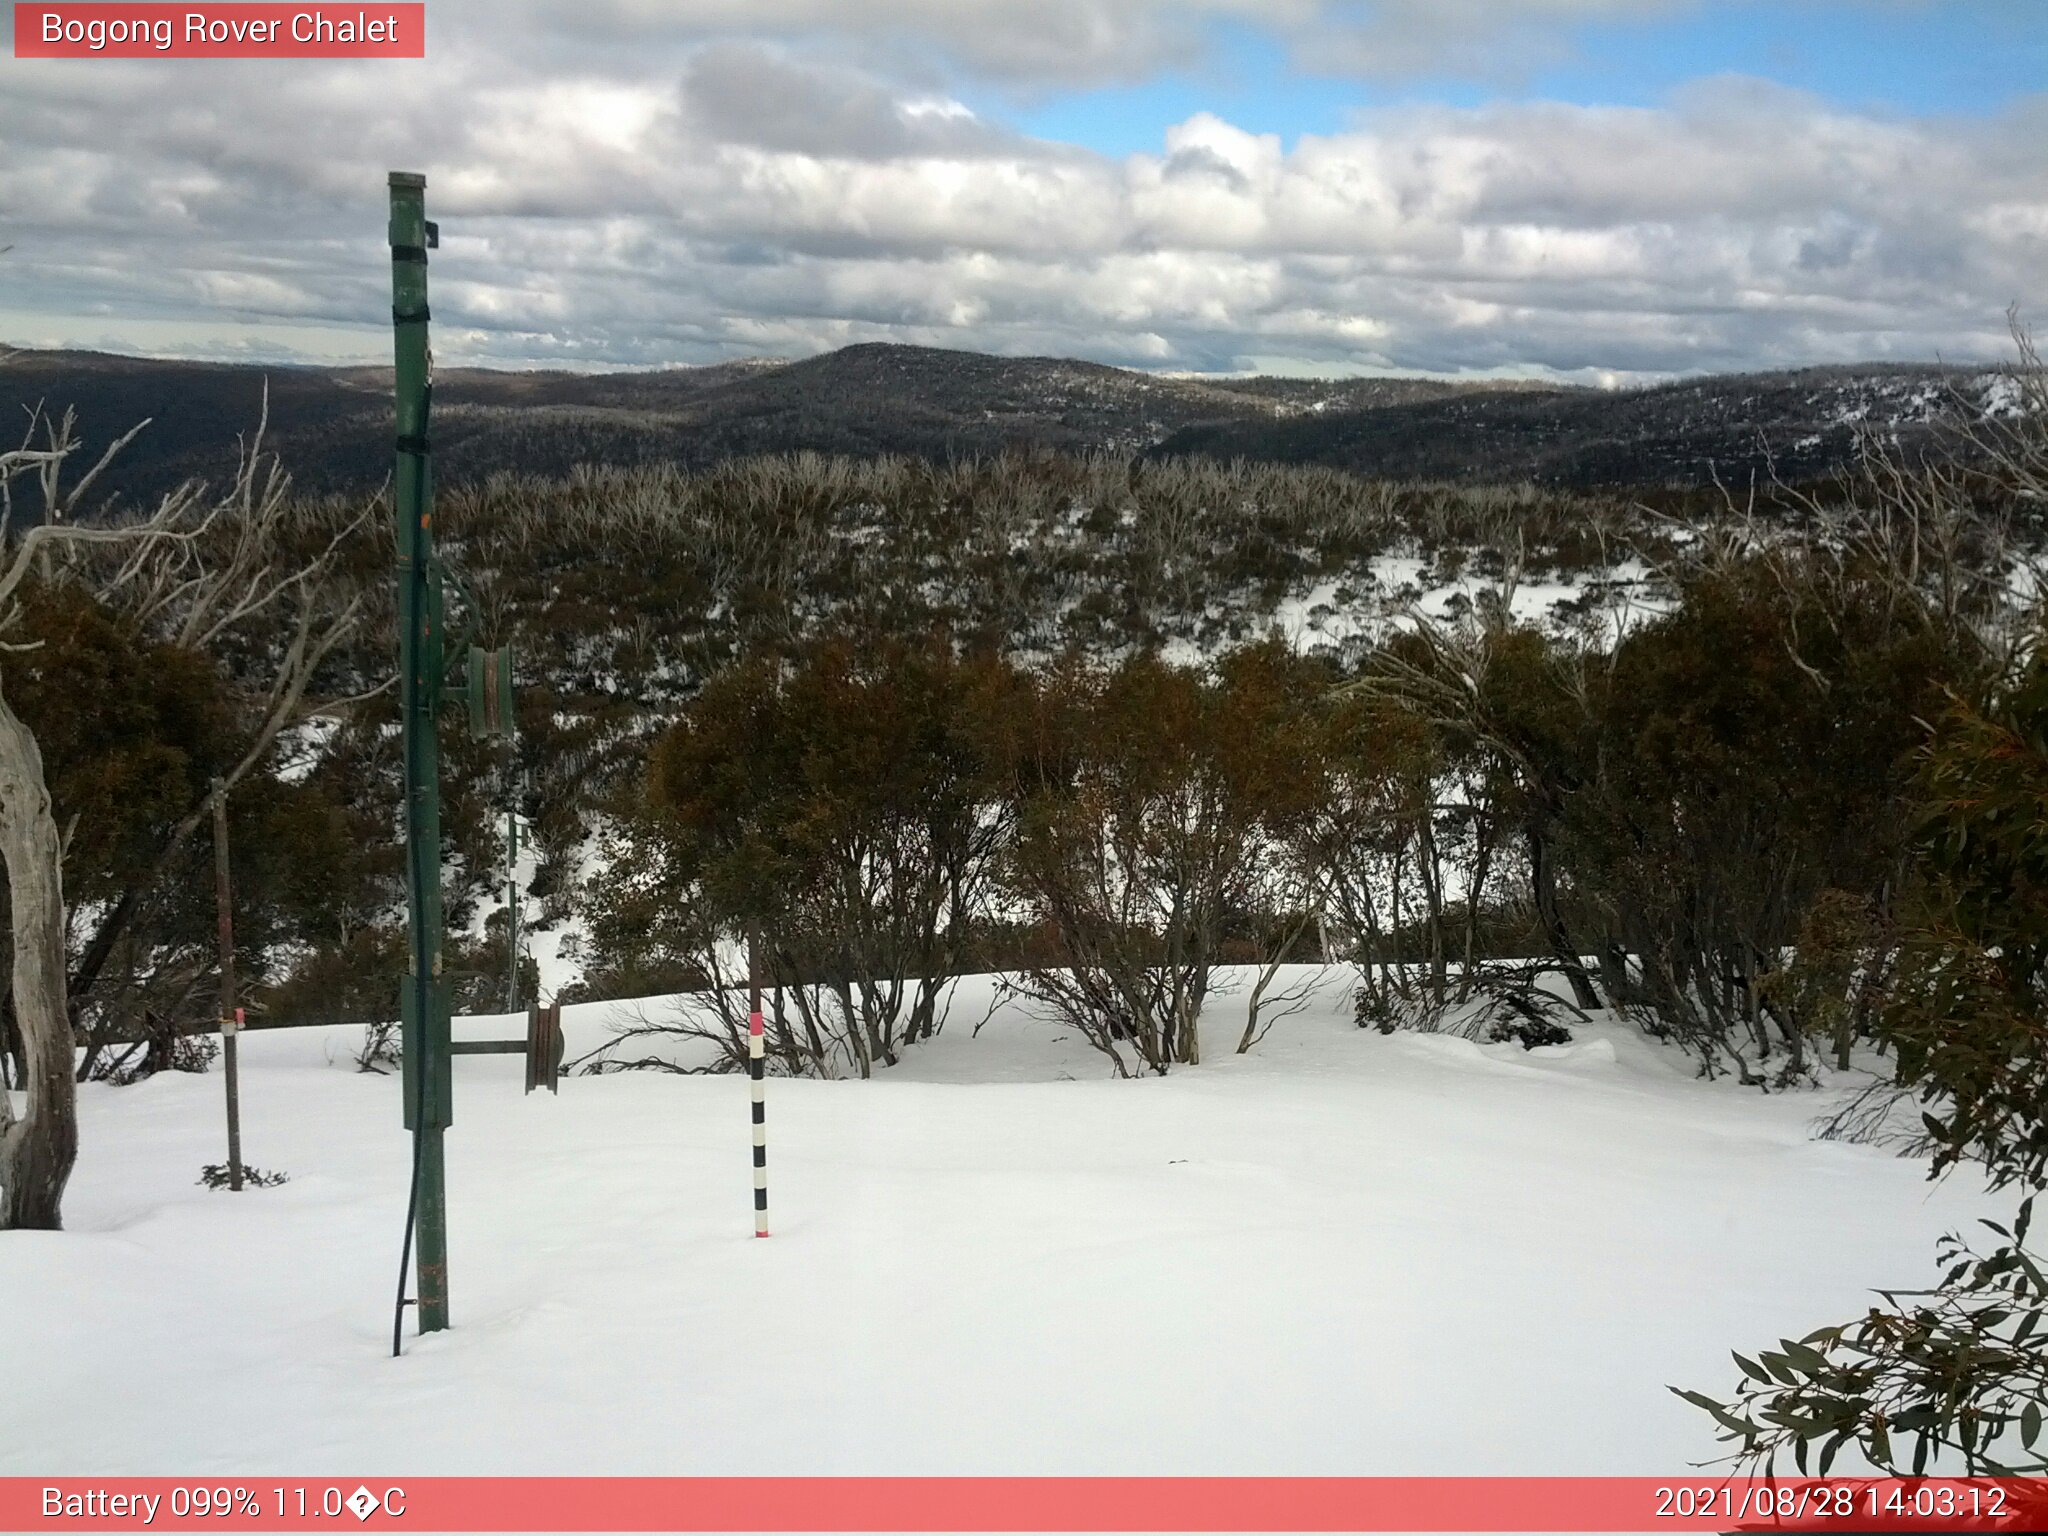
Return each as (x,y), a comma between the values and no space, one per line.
(331,425)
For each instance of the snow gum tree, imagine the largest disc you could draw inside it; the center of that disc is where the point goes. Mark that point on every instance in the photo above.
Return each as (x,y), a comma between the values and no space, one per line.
(1968,1011)
(1143,812)
(1476,728)
(1959,1371)
(1714,790)
(1752,755)
(1279,699)
(843,807)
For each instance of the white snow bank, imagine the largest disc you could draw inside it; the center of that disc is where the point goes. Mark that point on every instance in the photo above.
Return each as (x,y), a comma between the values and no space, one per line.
(1344,1253)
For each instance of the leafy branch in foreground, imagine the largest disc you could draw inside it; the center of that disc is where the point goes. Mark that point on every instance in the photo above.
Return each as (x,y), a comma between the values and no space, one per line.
(1962,1368)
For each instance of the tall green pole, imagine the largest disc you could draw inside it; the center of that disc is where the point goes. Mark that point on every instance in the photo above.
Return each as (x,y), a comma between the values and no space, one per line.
(420,671)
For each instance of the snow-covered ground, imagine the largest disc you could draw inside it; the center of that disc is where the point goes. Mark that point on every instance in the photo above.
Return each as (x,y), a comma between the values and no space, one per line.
(1343,1253)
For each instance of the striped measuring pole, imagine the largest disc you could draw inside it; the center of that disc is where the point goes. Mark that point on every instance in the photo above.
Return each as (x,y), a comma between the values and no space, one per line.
(757,1072)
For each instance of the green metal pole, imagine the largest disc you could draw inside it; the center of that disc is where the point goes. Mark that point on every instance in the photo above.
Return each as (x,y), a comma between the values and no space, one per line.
(420,670)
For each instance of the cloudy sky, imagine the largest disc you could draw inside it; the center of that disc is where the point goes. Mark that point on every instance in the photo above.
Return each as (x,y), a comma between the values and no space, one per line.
(1583,188)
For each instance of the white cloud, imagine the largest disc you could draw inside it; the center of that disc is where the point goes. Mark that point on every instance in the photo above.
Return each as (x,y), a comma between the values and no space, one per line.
(621,203)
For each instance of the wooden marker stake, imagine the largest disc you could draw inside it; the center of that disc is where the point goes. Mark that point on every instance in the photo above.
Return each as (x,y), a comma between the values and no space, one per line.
(230,1015)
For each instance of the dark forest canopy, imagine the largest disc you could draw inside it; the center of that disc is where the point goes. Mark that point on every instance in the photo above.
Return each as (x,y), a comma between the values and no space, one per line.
(332,425)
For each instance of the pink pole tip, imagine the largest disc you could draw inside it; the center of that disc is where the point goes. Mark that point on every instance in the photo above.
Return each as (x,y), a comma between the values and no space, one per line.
(754,1022)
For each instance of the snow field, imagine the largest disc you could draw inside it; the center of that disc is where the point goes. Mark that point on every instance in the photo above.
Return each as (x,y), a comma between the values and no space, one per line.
(1345,1253)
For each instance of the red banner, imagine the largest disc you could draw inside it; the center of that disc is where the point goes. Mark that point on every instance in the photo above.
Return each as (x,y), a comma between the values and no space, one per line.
(216,31)
(1025,1504)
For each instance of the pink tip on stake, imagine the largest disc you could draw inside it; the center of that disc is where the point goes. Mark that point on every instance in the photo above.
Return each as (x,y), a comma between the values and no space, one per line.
(754,1022)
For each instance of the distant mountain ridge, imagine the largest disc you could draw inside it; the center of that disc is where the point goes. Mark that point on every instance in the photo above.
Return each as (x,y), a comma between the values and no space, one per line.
(332,425)
(1797,424)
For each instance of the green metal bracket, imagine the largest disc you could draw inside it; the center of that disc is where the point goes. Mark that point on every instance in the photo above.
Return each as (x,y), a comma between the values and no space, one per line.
(543,1048)
(490,693)
(435,1046)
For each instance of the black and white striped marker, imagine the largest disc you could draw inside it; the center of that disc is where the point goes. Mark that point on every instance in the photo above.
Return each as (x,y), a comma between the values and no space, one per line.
(757,1069)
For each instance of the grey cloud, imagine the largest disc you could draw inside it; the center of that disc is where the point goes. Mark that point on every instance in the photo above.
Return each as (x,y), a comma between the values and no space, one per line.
(1025,42)
(1032,44)
(1493,40)
(742,93)
(1197,162)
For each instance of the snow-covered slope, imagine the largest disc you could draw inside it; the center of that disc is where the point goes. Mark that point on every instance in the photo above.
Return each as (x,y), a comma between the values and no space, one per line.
(1344,1253)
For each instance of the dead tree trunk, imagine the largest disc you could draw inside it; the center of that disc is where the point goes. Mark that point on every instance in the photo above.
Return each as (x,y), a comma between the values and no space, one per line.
(38,1146)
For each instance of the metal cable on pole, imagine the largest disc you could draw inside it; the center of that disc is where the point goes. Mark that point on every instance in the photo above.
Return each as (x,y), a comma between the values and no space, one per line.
(412,1197)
